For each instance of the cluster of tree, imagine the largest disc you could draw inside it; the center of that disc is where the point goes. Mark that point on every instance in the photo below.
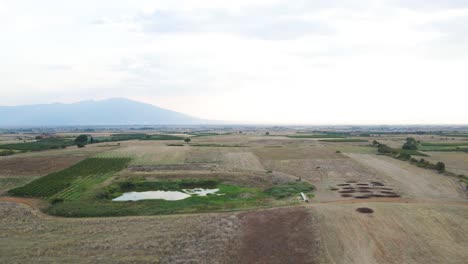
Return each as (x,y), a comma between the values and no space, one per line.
(398,154)
(410,143)
(83,140)
(439,166)
(382,148)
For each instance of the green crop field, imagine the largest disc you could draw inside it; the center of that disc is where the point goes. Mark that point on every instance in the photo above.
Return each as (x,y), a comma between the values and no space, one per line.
(41,144)
(427,146)
(66,183)
(319,136)
(344,140)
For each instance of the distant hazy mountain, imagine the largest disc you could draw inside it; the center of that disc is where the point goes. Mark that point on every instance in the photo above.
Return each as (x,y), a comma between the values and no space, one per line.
(116,111)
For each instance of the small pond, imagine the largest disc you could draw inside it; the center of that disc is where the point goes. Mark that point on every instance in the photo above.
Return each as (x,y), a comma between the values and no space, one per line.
(164,195)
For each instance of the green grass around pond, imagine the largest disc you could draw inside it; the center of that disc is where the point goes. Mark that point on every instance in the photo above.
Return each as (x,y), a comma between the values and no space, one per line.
(97,202)
(86,190)
(344,140)
(289,189)
(229,197)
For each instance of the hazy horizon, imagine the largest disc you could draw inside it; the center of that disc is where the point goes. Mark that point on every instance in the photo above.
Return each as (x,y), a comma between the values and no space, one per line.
(370,62)
(240,122)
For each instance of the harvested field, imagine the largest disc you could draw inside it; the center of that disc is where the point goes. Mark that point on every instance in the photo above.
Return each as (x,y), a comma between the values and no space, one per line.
(394,233)
(235,161)
(456,162)
(26,236)
(286,235)
(148,152)
(35,166)
(413,181)
(299,153)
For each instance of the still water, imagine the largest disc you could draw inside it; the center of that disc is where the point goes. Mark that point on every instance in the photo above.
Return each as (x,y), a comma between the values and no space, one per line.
(164,195)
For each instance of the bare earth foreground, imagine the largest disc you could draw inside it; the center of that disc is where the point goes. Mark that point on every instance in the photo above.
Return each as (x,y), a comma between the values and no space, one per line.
(427,224)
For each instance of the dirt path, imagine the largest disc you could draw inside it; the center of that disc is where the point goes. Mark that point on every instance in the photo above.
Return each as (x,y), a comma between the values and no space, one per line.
(414,182)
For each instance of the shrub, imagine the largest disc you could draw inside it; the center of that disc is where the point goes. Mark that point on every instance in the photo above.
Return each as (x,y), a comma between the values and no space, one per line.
(289,189)
(56,200)
(411,143)
(440,166)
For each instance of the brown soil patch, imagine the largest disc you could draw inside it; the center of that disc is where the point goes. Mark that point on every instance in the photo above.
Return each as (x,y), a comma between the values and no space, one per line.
(392,196)
(35,166)
(286,235)
(364,210)
(347,191)
(362,197)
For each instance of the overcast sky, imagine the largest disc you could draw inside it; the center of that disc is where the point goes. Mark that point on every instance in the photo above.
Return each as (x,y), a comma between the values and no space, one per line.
(266,61)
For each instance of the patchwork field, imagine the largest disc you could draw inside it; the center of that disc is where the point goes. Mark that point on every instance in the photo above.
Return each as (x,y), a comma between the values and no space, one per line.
(363,208)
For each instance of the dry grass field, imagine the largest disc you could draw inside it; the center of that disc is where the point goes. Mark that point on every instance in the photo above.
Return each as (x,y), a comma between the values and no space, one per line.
(456,162)
(425,221)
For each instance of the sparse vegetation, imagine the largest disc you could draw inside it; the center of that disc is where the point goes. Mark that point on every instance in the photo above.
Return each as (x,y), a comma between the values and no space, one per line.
(6,152)
(289,189)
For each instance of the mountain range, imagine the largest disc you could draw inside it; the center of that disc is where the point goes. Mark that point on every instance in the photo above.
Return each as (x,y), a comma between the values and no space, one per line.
(115,111)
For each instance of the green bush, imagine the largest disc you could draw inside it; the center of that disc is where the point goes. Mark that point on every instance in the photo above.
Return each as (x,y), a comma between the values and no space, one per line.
(289,189)
(440,166)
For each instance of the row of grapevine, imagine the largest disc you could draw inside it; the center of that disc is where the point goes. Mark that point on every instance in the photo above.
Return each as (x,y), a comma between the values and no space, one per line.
(54,183)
